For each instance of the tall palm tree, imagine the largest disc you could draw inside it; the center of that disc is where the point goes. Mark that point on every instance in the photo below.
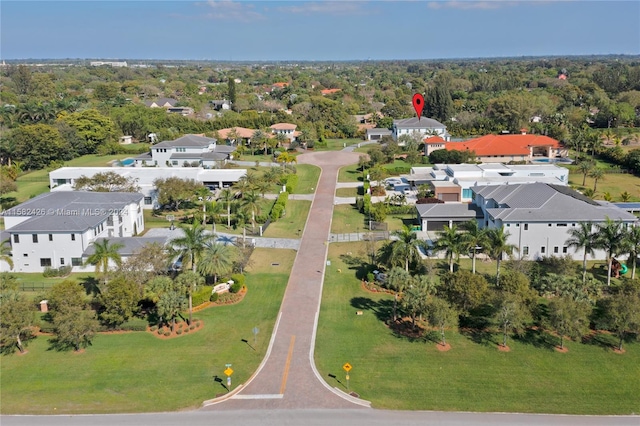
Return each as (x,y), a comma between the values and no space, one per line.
(217,259)
(584,238)
(474,237)
(610,239)
(251,203)
(596,174)
(5,253)
(585,168)
(397,280)
(192,243)
(227,196)
(498,246)
(450,241)
(404,250)
(632,245)
(189,281)
(104,252)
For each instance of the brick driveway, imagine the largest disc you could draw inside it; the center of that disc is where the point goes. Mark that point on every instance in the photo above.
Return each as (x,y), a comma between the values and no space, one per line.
(287,378)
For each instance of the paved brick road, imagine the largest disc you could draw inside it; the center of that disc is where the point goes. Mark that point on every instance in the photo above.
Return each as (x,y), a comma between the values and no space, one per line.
(287,379)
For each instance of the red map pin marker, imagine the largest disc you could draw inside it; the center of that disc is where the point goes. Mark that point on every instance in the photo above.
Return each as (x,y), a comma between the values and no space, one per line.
(418,104)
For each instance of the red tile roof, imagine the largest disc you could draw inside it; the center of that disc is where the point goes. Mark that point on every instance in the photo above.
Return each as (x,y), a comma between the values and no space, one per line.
(281,85)
(434,139)
(503,144)
(329,91)
(284,126)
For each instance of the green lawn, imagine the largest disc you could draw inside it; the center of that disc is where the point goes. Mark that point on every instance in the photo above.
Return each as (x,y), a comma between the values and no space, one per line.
(613,183)
(292,224)
(308,176)
(347,219)
(396,372)
(350,173)
(349,192)
(137,372)
(336,144)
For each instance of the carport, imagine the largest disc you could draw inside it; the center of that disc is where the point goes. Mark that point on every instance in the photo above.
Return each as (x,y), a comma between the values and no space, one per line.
(434,217)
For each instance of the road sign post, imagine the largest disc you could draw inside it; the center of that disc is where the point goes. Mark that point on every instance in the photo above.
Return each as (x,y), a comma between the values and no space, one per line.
(347,367)
(255,330)
(228,371)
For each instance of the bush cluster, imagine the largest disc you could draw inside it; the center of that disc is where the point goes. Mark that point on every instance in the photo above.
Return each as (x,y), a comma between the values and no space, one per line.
(62,271)
(280,205)
(202,295)
(291,183)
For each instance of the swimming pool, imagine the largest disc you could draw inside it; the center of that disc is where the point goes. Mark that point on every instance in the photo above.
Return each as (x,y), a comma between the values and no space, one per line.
(127,162)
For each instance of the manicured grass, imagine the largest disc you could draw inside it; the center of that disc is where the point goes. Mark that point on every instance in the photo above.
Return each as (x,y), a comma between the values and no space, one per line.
(137,372)
(395,222)
(613,183)
(308,176)
(397,372)
(289,226)
(347,219)
(336,144)
(350,173)
(348,192)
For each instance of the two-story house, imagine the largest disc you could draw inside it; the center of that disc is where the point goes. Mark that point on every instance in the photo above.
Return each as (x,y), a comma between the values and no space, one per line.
(423,127)
(55,229)
(187,151)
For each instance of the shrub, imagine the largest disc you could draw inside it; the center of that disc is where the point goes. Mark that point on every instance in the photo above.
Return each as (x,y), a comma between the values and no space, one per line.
(153,328)
(134,324)
(213,297)
(370,277)
(62,271)
(239,278)
(235,288)
(160,331)
(167,333)
(186,330)
(202,295)
(276,211)
(192,327)
(292,182)
(179,332)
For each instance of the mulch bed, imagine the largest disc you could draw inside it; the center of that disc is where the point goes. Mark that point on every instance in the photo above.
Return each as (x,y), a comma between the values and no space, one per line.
(504,348)
(180,329)
(443,348)
(561,350)
(374,288)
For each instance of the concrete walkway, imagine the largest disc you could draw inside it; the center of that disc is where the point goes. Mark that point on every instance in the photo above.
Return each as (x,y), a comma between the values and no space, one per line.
(287,378)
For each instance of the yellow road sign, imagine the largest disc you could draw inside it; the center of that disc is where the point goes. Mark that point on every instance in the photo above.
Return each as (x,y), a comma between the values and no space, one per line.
(228,371)
(347,367)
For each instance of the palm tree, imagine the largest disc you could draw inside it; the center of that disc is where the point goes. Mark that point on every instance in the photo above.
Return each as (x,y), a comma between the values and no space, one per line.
(498,245)
(585,168)
(596,174)
(625,196)
(609,238)
(189,281)
(474,237)
(632,244)
(450,241)
(397,280)
(227,196)
(251,203)
(5,253)
(102,254)
(584,238)
(192,243)
(217,259)
(404,250)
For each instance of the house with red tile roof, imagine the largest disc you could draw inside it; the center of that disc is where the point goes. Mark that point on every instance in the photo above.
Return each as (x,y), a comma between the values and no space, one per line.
(279,85)
(326,92)
(512,147)
(287,129)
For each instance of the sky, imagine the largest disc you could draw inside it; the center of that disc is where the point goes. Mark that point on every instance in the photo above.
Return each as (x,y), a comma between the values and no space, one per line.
(236,30)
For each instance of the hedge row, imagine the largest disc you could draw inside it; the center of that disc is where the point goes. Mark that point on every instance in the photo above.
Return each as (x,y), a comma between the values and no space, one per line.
(280,205)
(202,295)
(291,183)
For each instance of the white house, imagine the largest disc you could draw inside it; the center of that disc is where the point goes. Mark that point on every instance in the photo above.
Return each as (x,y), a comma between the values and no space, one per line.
(55,229)
(287,129)
(423,127)
(453,182)
(64,179)
(538,216)
(187,151)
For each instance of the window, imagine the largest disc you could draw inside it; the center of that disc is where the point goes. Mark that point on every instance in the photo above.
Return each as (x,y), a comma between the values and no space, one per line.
(174,162)
(550,224)
(45,262)
(34,237)
(147,200)
(467,193)
(25,254)
(561,224)
(73,237)
(564,249)
(542,249)
(526,226)
(555,249)
(50,237)
(62,261)
(76,261)
(525,251)
(16,238)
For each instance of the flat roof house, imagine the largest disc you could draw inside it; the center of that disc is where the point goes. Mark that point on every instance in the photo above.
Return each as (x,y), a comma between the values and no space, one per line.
(538,216)
(187,151)
(55,229)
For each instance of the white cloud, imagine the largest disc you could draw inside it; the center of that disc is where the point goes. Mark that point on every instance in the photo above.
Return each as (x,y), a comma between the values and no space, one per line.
(467,5)
(326,7)
(230,10)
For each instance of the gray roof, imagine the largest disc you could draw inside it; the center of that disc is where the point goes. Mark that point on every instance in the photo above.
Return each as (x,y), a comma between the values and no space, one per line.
(378,131)
(131,244)
(414,123)
(218,156)
(541,202)
(162,101)
(187,141)
(449,211)
(67,211)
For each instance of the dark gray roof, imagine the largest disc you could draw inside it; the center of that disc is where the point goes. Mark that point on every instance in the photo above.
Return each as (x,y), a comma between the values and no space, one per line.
(378,131)
(69,210)
(162,101)
(145,156)
(187,141)
(449,211)
(414,123)
(540,202)
(131,244)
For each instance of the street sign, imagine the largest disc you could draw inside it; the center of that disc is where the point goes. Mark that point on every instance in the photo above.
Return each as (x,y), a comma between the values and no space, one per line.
(228,371)
(229,383)
(347,367)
